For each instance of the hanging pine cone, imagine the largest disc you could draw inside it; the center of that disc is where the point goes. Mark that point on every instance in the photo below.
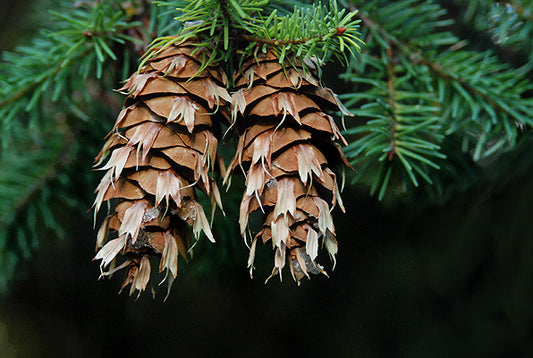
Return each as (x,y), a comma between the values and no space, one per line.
(161,149)
(287,151)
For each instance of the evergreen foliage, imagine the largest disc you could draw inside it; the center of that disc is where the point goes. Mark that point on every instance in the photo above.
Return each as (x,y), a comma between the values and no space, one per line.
(508,24)
(421,88)
(428,103)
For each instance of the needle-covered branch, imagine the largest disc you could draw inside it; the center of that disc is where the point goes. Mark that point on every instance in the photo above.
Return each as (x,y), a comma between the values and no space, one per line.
(448,91)
(79,44)
(315,31)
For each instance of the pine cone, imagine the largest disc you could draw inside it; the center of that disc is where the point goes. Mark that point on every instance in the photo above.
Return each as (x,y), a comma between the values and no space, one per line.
(287,151)
(160,150)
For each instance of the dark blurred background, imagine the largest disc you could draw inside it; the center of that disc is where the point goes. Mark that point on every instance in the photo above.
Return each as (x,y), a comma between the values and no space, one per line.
(448,279)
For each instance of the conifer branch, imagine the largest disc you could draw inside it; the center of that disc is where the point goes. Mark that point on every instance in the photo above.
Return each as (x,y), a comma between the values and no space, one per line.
(27,181)
(447,73)
(315,31)
(461,93)
(298,41)
(76,43)
(508,25)
(32,86)
(50,172)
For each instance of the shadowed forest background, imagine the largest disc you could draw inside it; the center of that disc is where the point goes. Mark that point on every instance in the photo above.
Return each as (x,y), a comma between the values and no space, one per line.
(414,278)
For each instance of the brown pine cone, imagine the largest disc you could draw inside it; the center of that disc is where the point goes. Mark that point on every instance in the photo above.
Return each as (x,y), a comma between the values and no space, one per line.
(161,150)
(287,152)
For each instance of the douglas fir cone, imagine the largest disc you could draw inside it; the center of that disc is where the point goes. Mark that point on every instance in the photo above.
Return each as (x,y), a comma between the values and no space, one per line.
(161,149)
(287,152)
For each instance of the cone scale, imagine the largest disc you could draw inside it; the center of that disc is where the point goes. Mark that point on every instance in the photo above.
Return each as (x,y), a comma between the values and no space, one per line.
(159,153)
(287,151)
